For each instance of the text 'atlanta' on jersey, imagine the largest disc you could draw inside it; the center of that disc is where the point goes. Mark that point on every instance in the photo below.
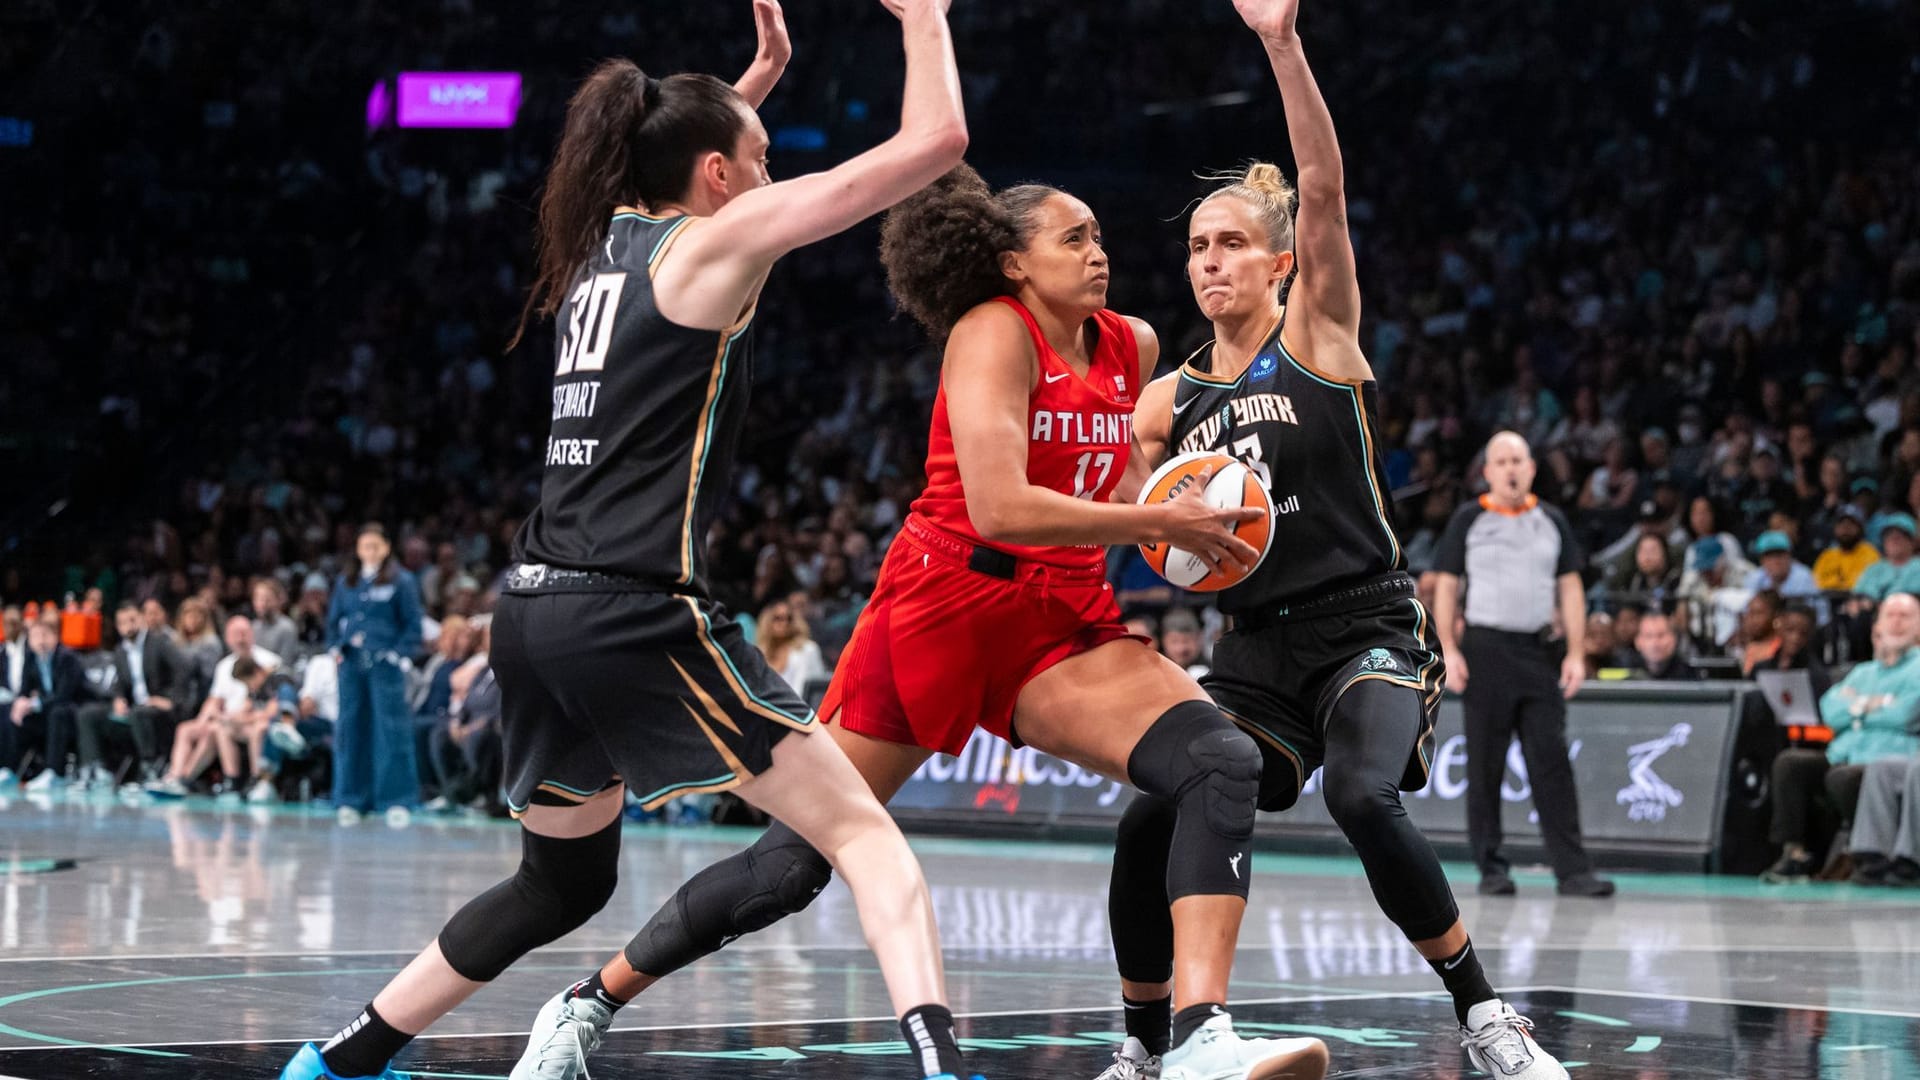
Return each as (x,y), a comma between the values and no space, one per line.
(647,416)
(1310,438)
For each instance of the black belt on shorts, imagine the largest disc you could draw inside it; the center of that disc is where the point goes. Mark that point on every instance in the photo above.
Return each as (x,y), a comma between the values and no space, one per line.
(1382,590)
(539,577)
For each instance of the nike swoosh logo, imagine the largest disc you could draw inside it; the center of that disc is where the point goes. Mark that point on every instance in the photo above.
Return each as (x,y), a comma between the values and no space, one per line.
(1056,378)
(1178,409)
(1458,960)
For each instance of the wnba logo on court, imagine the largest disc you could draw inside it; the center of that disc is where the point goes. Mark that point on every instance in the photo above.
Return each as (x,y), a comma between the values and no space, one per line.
(1648,797)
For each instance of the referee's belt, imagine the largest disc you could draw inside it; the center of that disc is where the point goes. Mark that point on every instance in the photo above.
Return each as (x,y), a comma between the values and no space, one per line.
(1381,590)
(539,577)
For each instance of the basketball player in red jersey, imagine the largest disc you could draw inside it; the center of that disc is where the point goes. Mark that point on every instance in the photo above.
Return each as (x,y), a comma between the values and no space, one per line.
(992,607)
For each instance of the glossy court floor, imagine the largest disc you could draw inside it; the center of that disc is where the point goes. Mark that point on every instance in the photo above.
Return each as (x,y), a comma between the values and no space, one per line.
(191,941)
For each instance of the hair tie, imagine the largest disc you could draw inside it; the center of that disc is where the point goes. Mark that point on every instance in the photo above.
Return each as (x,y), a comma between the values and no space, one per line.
(650,92)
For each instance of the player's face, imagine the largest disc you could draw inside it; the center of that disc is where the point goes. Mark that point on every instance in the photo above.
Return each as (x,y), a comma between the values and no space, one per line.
(1063,265)
(1234,271)
(747,165)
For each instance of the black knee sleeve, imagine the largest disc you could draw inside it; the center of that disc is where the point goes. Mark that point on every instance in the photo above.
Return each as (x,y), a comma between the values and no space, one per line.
(1372,731)
(776,877)
(1210,769)
(1137,895)
(559,886)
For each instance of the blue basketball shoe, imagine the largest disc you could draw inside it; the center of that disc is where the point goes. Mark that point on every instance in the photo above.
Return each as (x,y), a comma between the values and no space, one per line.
(306,1065)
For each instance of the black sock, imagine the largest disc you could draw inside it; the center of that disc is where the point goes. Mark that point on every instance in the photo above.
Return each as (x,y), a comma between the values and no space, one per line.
(364,1047)
(1465,980)
(1151,1022)
(929,1031)
(592,987)
(1189,1019)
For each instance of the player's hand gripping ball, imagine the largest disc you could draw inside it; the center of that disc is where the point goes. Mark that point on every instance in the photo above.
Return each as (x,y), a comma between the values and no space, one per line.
(1229,485)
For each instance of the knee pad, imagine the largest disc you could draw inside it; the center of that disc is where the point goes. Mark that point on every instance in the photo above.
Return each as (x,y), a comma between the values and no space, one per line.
(1210,769)
(559,886)
(778,876)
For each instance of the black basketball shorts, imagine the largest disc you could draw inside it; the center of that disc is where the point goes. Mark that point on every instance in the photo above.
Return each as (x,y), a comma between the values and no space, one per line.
(657,691)
(1280,681)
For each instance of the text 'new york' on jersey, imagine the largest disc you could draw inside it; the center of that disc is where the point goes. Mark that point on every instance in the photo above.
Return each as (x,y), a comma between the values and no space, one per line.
(647,416)
(1310,438)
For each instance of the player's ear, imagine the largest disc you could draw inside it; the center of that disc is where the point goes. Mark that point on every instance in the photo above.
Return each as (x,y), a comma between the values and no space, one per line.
(1282,266)
(715,173)
(1011,266)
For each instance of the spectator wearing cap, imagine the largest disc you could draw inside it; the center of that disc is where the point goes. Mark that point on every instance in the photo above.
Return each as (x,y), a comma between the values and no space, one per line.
(1766,490)
(1896,570)
(310,614)
(1617,561)
(1713,593)
(1866,496)
(1839,567)
(1872,712)
(1780,572)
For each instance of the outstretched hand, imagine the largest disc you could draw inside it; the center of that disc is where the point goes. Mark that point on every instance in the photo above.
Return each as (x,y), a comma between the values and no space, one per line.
(770,27)
(1272,19)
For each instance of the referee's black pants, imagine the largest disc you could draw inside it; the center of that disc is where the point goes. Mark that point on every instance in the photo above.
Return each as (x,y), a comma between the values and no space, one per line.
(1513,688)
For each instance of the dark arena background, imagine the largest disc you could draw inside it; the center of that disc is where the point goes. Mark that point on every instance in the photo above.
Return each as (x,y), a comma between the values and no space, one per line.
(259,265)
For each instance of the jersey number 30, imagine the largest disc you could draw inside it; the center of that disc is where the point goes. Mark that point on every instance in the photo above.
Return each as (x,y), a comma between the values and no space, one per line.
(583,345)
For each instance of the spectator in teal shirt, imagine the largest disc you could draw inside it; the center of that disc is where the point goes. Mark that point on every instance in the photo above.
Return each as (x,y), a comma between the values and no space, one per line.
(1897,571)
(1873,713)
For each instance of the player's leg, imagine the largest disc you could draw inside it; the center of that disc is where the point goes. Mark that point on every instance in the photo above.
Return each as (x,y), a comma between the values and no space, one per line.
(815,790)
(569,865)
(1126,712)
(778,876)
(1375,727)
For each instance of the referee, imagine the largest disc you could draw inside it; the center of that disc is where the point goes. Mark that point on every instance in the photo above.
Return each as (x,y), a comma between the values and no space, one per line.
(1518,554)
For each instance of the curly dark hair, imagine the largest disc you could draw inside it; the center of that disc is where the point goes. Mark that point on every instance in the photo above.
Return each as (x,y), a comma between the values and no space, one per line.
(942,245)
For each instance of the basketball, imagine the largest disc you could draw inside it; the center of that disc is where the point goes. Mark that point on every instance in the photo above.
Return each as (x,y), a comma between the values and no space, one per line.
(1231,484)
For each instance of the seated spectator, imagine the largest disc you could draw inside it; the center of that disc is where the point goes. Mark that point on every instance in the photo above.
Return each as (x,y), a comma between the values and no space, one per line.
(1780,572)
(1872,712)
(151,679)
(214,729)
(1182,642)
(52,689)
(1885,843)
(13,671)
(1653,580)
(1795,628)
(1895,571)
(194,634)
(1759,637)
(1703,523)
(1659,650)
(1599,643)
(783,637)
(1839,567)
(275,632)
(1626,629)
(1712,599)
(310,615)
(304,719)
(466,749)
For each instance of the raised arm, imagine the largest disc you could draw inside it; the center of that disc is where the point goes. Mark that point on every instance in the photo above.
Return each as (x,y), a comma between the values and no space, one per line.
(1326,290)
(719,262)
(770,59)
(989,376)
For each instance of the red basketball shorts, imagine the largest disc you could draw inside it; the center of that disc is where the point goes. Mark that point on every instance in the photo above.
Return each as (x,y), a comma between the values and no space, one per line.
(942,647)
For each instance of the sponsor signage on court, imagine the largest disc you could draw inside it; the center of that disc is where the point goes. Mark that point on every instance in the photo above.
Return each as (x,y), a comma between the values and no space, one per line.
(1651,764)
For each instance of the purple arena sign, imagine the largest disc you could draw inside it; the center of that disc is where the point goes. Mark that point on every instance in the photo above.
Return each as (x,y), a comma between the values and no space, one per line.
(459,99)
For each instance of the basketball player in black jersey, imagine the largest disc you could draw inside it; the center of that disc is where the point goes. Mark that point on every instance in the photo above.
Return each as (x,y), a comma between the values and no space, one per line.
(657,230)
(1331,661)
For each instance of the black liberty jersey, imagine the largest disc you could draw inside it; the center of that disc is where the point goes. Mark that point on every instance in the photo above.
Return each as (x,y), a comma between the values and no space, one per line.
(1310,439)
(647,417)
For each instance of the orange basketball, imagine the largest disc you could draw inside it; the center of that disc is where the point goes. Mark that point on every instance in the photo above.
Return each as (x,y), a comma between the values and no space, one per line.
(1231,484)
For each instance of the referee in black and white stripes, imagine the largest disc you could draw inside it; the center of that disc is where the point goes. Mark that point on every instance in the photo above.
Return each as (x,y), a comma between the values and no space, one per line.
(1518,555)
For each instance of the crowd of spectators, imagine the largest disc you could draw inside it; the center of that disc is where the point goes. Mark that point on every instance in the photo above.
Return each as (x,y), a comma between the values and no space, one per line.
(1677,248)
